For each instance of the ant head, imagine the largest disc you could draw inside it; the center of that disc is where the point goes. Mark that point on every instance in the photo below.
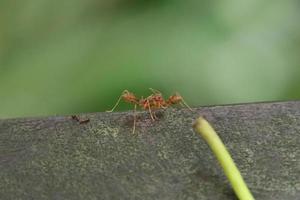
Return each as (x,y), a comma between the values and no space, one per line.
(126,92)
(129,97)
(176,98)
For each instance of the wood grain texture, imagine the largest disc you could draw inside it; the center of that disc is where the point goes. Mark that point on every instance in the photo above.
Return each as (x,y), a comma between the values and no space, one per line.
(58,158)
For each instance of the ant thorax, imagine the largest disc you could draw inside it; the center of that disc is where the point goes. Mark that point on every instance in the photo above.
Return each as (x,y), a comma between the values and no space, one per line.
(144,103)
(157,101)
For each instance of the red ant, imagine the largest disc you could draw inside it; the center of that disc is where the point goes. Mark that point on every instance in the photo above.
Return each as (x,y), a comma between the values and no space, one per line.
(154,101)
(159,102)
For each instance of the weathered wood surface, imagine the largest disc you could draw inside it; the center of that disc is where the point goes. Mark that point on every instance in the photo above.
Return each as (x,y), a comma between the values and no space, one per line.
(57,158)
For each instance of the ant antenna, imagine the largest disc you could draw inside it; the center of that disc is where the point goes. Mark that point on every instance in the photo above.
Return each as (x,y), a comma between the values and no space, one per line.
(155,91)
(117,102)
(183,103)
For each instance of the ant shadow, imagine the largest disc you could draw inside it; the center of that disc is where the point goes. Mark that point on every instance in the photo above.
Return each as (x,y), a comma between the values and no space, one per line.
(143,118)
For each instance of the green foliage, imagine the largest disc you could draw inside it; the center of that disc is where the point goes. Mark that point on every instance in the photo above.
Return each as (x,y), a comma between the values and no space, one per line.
(77,56)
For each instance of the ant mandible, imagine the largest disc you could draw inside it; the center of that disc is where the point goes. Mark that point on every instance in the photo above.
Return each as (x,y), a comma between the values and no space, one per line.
(153,101)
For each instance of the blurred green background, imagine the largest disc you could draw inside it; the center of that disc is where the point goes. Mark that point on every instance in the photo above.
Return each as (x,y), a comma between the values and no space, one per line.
(72,56)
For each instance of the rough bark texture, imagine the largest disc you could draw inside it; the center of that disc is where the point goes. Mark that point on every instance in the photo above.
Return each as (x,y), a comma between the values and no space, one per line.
(58,158)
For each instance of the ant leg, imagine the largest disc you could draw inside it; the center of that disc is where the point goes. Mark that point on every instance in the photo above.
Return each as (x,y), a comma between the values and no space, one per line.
(154,91)
(164,107)
(116,103)
(134,119)
(154,115)
(150,111)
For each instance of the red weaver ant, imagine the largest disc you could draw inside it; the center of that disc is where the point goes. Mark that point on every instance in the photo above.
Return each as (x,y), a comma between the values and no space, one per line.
(159,102)
(154,101)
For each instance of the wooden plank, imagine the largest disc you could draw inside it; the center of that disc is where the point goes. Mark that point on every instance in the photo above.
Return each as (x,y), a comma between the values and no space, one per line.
(58,158)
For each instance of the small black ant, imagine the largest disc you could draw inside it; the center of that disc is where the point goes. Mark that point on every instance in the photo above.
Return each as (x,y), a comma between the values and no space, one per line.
(81,121)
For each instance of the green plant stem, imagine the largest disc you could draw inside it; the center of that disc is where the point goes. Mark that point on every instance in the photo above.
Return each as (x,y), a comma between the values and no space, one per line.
(231,171)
